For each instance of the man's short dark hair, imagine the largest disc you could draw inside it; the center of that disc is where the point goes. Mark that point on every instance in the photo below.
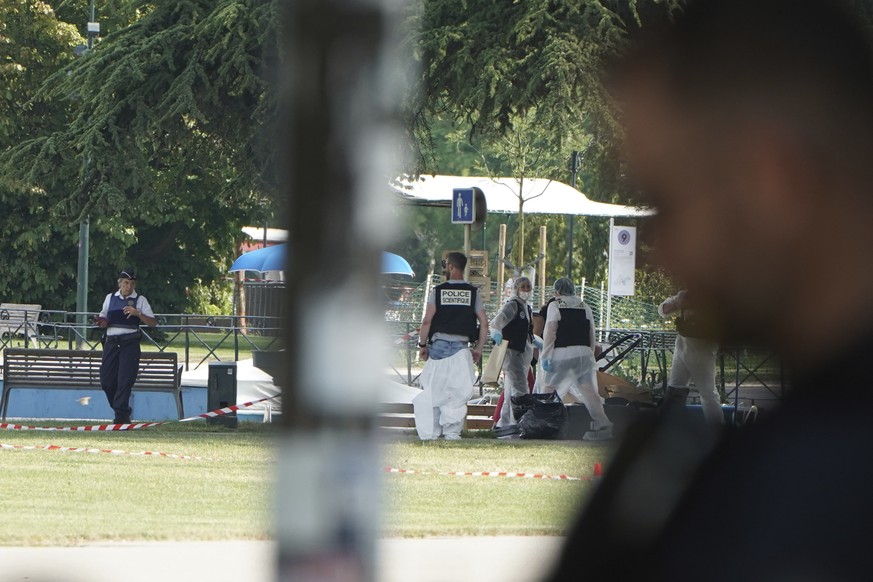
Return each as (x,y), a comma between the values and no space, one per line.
(459,260)
(807,63)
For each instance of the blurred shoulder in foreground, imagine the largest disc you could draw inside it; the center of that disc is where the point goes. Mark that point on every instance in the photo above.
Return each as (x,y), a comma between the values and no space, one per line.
(749,125)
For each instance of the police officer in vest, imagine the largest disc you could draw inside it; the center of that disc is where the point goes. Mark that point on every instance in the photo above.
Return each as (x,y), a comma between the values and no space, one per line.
(568,359)
(514,323)
(454,311)
(122,314)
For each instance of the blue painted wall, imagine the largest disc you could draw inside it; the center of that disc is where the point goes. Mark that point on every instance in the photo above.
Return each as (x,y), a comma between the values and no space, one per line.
(36,403)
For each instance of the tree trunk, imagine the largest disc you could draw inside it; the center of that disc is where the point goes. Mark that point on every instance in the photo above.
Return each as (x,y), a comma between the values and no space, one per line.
(240,300)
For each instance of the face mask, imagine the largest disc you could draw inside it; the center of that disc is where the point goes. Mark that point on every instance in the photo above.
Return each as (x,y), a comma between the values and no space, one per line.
(524,295)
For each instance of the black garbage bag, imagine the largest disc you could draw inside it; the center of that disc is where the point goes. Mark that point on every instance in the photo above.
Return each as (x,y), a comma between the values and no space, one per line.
(539,416)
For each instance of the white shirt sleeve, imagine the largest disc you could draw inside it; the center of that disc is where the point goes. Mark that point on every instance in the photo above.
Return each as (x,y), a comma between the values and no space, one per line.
(105,309)
(145,307)
(669,302)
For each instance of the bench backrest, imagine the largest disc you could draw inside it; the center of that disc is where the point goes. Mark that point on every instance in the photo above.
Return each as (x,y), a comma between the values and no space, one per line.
(14,315)
(74,368)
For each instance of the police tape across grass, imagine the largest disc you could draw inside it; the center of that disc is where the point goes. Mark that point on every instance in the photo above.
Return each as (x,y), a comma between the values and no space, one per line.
(429,504)
(53,497)
(65,498)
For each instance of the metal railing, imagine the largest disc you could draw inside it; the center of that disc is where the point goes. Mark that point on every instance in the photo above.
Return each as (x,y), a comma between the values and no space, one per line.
(197,336)
(643,357)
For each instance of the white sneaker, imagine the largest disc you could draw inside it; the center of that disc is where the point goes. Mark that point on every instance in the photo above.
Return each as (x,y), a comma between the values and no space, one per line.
(452,437)
(601,434)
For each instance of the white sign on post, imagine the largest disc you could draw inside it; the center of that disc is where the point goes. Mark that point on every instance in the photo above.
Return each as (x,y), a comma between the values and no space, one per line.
(622,260)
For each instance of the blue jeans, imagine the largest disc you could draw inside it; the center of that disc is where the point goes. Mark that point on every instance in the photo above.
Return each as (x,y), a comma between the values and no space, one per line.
(442,349)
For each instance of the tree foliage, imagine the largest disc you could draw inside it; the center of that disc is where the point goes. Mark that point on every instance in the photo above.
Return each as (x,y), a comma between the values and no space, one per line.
(164,143)
(521,82)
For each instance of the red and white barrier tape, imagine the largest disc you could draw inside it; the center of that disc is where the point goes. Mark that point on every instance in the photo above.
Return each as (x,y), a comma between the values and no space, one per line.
(488,474)
(90,450)
(135,425)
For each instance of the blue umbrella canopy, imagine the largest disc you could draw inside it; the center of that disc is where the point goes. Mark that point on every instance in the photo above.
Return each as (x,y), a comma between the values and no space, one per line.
(265,259)
(273,259)
(395,265)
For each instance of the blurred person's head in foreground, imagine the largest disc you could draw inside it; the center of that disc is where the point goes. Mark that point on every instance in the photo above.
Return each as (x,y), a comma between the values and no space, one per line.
(749,126)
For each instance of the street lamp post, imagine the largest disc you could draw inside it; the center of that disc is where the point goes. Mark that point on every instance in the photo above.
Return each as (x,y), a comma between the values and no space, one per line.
(85,225)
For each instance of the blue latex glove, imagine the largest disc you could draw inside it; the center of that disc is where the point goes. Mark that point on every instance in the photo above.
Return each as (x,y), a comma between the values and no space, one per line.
(538,343)
(497,337)
(547,365)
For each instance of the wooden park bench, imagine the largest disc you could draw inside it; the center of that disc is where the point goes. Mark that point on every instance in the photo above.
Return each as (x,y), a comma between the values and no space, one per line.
(80,369)
(401,415)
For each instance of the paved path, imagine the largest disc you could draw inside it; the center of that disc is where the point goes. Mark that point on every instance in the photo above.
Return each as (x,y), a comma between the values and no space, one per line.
(484,559)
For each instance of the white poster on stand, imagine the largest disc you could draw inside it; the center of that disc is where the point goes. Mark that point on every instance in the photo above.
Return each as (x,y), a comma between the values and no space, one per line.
(622,260)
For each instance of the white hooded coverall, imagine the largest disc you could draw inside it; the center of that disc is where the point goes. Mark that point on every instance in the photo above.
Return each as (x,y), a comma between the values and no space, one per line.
(515,364)
(574,370)
(441,407)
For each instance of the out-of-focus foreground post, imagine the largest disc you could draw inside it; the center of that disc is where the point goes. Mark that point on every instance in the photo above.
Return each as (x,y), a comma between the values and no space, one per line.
(343,92)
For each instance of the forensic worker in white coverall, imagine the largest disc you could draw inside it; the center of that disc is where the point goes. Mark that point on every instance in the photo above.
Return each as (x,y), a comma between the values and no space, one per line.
(514,324)
(694,358)
(567,359)
(454,311)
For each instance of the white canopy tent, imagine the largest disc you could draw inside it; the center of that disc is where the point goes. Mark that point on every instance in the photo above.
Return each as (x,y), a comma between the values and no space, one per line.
(541,196)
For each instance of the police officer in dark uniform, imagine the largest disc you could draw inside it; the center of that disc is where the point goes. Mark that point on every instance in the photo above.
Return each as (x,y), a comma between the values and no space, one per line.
(121,316)
(453,311)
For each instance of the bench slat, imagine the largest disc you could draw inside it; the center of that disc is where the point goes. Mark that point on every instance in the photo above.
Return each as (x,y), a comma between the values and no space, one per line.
(400,415)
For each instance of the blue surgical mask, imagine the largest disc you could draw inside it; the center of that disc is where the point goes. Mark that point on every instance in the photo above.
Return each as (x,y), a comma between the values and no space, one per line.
(524,295)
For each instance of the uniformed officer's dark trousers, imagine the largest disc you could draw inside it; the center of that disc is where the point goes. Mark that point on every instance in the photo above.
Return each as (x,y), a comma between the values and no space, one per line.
(118,372)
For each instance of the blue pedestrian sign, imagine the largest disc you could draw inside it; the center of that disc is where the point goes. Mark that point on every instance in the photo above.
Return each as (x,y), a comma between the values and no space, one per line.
(463,206)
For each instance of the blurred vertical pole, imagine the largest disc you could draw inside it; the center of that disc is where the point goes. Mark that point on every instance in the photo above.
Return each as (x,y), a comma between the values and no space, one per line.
(343,138)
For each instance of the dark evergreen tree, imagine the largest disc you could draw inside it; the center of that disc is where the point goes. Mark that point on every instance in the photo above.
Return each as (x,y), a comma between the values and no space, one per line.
(165,144)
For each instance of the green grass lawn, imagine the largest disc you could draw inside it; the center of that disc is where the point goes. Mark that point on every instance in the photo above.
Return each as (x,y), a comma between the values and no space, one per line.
(65,498)
(60,498)
(437,505)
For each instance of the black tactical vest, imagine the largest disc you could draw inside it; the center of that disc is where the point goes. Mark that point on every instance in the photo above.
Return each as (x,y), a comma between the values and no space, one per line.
(574,329)
(520,329)
(455,311)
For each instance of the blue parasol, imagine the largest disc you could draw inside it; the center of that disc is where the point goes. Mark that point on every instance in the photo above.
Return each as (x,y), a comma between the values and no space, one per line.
(266,259)
(273,259)
(395,265)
